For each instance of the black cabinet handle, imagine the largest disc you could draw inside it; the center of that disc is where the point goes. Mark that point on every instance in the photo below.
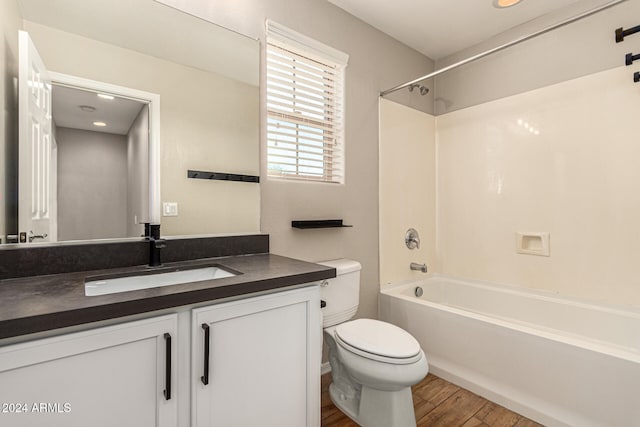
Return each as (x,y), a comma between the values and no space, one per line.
(205,378)
(167,380)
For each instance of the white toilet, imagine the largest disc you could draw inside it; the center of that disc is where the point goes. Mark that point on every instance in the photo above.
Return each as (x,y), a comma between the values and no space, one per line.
(373,363)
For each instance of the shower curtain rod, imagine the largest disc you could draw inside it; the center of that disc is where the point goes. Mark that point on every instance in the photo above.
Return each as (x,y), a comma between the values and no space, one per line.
(505,45)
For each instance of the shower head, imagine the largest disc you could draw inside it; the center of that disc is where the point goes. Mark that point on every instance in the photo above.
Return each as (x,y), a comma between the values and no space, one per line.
(423,89)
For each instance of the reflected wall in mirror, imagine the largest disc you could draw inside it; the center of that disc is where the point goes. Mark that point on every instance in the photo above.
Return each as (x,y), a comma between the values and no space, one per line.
(207,78)
(102,144)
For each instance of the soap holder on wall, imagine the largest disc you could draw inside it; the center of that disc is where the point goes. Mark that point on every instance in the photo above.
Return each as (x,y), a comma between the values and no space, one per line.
(532,243)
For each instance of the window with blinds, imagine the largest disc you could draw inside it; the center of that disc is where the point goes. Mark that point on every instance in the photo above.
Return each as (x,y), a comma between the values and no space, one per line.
(305,107)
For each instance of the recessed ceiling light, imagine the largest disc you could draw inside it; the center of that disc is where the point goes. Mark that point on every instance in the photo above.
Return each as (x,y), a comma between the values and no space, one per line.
(87,108)
(501,4)
(105,96)
(99,124)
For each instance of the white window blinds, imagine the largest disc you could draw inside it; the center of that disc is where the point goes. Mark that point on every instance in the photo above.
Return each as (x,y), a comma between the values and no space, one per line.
(305,107)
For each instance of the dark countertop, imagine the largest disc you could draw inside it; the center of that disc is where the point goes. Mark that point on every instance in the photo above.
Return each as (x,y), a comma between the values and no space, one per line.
(43,303)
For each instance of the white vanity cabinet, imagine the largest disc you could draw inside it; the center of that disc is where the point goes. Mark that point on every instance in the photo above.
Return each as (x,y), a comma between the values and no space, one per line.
(262,369)
(120,375)
(256,362)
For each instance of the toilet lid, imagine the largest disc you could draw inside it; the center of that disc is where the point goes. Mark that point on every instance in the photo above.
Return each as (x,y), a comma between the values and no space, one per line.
(378,338)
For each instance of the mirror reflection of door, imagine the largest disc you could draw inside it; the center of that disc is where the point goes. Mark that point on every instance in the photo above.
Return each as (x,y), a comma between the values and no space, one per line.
(103,152)
(36,218)
(83,159)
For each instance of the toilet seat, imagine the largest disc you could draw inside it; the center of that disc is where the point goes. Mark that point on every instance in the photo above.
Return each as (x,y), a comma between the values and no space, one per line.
(377,340)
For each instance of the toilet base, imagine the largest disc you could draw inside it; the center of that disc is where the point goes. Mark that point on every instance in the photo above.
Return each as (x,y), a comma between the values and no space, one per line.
(376,408)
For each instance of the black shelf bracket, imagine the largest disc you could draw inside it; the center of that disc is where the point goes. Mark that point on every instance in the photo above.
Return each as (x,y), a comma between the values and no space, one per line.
(319,223)
(636,77)
(621,34)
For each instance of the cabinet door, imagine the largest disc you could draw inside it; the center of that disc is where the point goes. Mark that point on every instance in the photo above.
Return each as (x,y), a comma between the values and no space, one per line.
(263,365)
(111,376)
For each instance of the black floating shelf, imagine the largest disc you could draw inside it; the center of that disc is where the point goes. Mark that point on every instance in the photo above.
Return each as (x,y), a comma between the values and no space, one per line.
(319,223)
(221,176)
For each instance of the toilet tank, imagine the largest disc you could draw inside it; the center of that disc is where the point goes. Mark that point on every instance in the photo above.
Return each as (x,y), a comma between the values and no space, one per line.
(341,294)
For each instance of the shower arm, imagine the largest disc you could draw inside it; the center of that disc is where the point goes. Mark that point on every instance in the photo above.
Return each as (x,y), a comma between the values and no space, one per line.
(505,45)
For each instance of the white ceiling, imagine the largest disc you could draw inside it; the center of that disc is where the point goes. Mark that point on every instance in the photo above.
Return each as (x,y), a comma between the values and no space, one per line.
(439,28)
(118,113)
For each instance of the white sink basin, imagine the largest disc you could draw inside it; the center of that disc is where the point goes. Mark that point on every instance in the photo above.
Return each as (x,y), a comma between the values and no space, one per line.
(133,283)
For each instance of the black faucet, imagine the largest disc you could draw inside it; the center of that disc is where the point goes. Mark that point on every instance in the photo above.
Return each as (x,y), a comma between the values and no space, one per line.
(155,244)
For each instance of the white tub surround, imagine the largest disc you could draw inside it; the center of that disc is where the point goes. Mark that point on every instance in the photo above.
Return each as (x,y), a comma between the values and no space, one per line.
(407,190)
(561,362)
(560,160)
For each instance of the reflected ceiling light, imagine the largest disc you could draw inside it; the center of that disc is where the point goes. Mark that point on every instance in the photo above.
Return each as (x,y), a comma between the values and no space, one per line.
(99,124)
(105,96)
(501,4)
(87,108)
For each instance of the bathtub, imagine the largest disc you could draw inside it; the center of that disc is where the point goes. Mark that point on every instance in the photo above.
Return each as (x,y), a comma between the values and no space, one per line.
(558,361)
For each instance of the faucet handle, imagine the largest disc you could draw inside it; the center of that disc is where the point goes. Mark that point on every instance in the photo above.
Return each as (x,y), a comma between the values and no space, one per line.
(412,239)
(33,236)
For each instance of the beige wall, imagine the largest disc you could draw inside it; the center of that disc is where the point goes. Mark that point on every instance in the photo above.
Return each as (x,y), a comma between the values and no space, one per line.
(376,62)
(208,122)
(576,178)
(578,49)
(92,184)
(407,190)
(10,23)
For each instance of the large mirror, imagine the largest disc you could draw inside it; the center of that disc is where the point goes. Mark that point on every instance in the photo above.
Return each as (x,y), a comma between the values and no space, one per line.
(202,83)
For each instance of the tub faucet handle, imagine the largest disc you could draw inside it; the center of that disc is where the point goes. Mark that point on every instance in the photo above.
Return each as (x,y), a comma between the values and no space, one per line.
(418,267)
(412,239)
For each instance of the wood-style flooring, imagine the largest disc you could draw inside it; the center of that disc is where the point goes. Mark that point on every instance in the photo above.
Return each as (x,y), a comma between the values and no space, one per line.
(437,403)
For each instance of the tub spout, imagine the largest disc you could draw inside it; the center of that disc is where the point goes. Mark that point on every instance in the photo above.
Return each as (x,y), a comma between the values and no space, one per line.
(418,267)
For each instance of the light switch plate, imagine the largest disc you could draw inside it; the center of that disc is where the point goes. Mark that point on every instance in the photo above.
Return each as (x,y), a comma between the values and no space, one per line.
(169,209)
